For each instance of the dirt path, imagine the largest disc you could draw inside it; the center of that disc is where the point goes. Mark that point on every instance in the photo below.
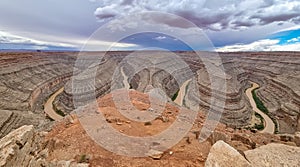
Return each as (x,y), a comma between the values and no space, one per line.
(181,93)
(48,107)
(269,124)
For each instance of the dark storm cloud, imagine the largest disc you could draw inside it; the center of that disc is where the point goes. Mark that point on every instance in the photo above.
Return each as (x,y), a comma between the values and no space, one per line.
(213,14)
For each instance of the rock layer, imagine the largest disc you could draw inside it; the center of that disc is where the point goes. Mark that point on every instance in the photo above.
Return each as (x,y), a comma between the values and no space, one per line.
(277,73)
(27,80)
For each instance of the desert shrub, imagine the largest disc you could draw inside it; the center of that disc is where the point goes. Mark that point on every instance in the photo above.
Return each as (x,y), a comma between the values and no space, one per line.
(175,96)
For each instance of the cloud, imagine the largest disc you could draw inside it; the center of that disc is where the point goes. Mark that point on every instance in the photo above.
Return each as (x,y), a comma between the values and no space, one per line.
(261,45)
(213,14)
(96,45)
(293,40)
(288,29)
(106,12)
(160,38)
(7,38)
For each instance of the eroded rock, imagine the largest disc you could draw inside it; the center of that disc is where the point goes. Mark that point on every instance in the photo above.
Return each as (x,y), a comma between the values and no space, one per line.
(223,155)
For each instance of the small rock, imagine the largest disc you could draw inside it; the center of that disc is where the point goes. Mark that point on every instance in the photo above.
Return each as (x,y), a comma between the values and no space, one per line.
(154,154)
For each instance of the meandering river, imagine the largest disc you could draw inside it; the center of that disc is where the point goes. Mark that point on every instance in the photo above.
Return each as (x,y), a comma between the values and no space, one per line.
(269,124)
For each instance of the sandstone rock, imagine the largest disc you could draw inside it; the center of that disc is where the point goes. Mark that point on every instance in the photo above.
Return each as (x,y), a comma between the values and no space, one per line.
(20,148)
(244,139)
(273,155)
(216,136)
(24,147)
(223,155)
(154,154)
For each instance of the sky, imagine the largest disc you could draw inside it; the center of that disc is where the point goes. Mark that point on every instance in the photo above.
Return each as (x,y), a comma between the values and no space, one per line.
(213,25)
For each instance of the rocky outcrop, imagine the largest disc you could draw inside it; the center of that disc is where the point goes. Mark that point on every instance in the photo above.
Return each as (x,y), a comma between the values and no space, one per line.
(274,155)
(223,155)
(22,147)
(26,147)
(270,155)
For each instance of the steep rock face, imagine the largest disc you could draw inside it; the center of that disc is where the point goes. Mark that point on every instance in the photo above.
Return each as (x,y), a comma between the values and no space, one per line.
(26,80)
(223,155)
(274,155)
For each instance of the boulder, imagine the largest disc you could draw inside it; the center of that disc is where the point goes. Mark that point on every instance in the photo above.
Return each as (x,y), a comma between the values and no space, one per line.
(273,155)
(223,155)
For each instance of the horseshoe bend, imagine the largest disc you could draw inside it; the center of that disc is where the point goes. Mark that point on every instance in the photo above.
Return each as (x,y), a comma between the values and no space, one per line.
(50,104)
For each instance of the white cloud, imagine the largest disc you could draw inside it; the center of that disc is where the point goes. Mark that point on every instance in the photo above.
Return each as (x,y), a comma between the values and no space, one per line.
(294,40)
(288,29)
(96,45)
(106,12)
(160,38)
(8,38)
(91,45)
(261,45)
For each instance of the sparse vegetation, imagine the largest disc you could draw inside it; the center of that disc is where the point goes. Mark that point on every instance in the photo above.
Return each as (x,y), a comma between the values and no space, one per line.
(130,86)
(175,95)
(59,112)
(260,105)
(49,118)
(83,159)
(261,125)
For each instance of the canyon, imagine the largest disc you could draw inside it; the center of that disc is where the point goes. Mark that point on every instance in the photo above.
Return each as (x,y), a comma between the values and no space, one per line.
(66,81)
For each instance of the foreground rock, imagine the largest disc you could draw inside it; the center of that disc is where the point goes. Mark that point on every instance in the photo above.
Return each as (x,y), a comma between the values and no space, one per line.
(273,155)
(24,147)
(20,148)
(223,155)
(270,155)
